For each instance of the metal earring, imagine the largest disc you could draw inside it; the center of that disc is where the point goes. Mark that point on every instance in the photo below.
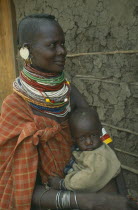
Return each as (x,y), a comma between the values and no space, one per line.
(28,61)
(24,53)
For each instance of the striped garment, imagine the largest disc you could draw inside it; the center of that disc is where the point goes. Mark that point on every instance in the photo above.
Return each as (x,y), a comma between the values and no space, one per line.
(28,143)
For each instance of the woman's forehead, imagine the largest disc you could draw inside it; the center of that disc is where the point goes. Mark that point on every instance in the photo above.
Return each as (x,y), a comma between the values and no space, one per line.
(50,31)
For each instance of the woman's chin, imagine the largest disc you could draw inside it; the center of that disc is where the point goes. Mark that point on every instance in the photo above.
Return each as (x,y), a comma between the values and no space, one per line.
(56,69)
(59,68)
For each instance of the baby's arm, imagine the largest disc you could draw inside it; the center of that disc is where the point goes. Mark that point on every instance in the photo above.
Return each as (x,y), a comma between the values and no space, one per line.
(93,170)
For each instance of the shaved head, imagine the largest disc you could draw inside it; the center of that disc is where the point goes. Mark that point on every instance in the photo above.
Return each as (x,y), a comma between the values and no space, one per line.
(29,27)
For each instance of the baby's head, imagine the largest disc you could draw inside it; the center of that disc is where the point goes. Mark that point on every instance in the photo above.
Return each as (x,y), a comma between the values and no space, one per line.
(86,128)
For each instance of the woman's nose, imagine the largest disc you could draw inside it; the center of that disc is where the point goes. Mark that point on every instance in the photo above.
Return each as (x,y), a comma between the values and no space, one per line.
(88,141)
(61,50)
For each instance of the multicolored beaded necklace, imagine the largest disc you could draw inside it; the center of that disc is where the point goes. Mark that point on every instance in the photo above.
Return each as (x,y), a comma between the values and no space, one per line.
(46,92)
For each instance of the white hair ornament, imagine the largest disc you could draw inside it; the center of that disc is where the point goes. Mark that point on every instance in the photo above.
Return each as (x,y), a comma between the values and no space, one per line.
(24,53)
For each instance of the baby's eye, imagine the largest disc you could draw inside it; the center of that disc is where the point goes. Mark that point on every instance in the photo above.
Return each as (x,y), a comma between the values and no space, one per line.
(94,134)
(82,138)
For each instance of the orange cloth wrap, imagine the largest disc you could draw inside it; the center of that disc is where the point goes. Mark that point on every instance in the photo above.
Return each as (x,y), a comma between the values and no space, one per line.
(28,143)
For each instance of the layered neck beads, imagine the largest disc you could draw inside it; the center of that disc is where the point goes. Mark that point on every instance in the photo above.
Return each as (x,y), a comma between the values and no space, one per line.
(46,92)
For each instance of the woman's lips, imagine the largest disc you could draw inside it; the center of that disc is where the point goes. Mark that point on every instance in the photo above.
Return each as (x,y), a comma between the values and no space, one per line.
(60,62)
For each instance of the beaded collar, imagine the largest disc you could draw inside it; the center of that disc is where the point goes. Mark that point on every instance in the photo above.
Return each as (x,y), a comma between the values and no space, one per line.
(46,92)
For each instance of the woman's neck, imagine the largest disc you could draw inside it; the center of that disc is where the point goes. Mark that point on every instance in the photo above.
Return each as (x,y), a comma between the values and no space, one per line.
(46,71)
(40,69)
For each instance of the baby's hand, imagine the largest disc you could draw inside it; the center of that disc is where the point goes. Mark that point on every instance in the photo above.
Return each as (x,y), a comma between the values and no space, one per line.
(54,182)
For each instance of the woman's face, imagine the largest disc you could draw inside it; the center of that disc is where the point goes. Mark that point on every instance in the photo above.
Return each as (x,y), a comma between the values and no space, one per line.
(48,51)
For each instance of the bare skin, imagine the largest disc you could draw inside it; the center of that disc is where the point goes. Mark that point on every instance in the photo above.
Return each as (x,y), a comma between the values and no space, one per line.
(85,200)
(90,201)
(86,133)
(48,55)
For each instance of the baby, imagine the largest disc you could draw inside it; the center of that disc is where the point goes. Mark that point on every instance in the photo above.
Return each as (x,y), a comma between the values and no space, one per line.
(94,163)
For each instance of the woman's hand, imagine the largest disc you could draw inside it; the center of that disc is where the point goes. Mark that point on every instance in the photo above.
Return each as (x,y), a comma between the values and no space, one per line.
(54,182)
(100,201)
(114,202)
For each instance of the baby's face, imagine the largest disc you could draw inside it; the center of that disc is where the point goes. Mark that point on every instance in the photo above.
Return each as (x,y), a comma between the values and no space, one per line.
(89,141)
(87,134)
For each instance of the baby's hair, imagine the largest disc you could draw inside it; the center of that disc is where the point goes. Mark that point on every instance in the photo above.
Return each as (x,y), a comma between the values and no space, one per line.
(29,25)
(81,114)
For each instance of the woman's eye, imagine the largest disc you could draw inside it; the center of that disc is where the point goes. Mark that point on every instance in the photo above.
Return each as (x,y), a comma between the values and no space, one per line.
(52,45)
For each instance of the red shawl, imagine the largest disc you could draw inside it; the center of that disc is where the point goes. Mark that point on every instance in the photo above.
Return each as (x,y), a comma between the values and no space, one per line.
(28,143)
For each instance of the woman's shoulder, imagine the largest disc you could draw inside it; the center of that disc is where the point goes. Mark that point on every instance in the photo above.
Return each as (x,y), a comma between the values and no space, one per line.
(13,98)
(77,100)
(14,103)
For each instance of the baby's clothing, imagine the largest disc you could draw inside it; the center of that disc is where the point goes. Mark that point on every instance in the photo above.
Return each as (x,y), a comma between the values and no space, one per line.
(92,170)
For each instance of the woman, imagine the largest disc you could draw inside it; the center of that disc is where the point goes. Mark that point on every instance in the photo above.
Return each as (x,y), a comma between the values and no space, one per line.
(34,132)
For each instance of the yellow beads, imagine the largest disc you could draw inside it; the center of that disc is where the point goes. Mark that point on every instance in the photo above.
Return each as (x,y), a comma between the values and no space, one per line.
(47,100)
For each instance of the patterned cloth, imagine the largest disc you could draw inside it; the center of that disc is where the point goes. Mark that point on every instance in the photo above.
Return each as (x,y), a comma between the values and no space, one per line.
(28,143)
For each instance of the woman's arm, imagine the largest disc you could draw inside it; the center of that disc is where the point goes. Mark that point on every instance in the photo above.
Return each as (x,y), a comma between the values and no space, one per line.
(48,200)
(77,100)
(90,201)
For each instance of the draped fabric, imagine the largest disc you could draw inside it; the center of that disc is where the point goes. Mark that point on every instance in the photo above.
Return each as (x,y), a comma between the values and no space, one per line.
(28,143)
(92,170)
